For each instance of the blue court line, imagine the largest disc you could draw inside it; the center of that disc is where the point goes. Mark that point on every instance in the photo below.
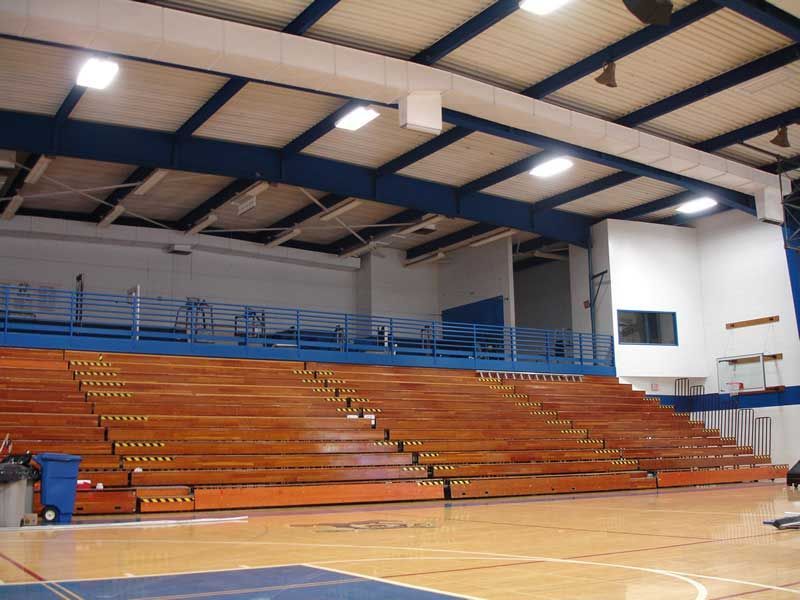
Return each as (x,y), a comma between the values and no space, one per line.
(295,582)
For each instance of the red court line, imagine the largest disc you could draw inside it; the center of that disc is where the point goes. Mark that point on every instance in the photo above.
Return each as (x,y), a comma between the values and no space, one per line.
(23,568)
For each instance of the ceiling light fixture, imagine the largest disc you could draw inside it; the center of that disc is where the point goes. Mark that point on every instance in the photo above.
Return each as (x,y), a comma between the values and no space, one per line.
(340,210)
(97,73)
(608,77)
(283,238)
(357,118)
(203,223)
(492,238)
(552,167)
(697,205)
(112,215)
(35,174)
(426,260)
(150,182)
(12,207)
(541,7)
(651,12)
(781,138)
(421,225)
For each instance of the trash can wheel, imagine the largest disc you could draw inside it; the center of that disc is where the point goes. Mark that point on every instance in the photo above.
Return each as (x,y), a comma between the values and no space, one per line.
(49,514)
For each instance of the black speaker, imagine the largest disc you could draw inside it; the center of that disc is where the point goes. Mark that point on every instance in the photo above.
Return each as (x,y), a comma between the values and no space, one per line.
(651,12)
(793,477)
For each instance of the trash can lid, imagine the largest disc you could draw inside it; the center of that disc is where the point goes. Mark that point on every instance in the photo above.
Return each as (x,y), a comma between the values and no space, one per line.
(10,473)
(54,456)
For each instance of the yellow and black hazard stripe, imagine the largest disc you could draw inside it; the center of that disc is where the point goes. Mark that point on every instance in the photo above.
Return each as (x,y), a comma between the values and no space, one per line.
(412,443)
(589,441)
(460,482)
(489,380)
(501,387)
(429,454)
(515,395)
(386,443)
(88,363)
(527,404)
(431,482)
(557,422)
(545,413)
(166,500)
(415,468)
(624,461)
(139,444)
(148,458)
(104,383)
(444,467)
(605,451)
(96,373)
(574,431)
(358,410)
(124,418)
(109,395)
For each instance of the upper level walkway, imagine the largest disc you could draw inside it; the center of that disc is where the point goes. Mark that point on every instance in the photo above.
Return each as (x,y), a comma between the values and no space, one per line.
(50,318)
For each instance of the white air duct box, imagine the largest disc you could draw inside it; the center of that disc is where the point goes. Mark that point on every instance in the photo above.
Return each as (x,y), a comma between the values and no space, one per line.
(422,111)
(179,249)
(769,206)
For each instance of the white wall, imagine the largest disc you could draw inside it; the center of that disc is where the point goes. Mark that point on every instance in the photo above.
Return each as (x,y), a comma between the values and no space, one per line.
(542,296)
(745,276)
(473,274)
(389,288)
(655,268)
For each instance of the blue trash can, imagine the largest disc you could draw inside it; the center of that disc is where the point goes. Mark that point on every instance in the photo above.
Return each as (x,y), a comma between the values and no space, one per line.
(59,477)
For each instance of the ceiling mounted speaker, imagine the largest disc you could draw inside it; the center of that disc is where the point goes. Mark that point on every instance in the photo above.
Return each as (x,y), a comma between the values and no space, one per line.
(781,138)
(608,77)
(651,12)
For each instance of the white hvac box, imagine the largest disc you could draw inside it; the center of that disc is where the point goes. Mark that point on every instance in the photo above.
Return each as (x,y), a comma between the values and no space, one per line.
(422,111)
(769,206)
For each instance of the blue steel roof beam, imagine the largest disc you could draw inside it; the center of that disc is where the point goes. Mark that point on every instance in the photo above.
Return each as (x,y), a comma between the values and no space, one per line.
(226,194)
(232,87)
(309,17)
(737,199)
(22,173)
(426,149)
(767,14)
(535,244)
(67,106)
(651,207)
(115,197)
(732,78)
(622,48)
(750,131)
(464,33)
(451,239)
(504,173)
(322,128)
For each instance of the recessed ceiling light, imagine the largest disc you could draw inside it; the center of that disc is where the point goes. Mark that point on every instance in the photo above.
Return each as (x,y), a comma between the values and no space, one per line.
(97,73)
(357,118)
(697,205)
(552,167)
(541,7)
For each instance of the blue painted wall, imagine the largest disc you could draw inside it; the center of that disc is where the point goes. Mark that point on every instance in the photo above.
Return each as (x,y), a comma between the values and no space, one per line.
(793,259)
(790,396)
(482,312)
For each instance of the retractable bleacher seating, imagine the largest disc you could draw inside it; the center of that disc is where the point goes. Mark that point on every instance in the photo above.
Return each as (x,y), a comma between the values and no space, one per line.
(168,433)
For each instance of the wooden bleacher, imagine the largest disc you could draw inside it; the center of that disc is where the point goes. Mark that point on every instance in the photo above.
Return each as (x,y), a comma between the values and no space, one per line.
(168,433)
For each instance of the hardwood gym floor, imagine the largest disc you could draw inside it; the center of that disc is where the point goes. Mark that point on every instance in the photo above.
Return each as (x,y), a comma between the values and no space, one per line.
(680,544)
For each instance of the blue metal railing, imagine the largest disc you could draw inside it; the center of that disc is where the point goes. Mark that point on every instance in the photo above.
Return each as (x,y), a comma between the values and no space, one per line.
(41,317)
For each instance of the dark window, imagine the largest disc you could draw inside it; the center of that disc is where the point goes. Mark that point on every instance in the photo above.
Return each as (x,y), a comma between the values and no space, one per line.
(637,327)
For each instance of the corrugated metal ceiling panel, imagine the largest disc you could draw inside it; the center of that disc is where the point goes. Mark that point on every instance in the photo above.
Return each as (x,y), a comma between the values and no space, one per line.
(659,215)
(770,152)
(532,189)
(468,159)
(636,192)
(79,175)
(35,78)
(322,232)
(706,48)
(149,96)
(769,95)
(271,206)
(524,48)
(272,14)
(268,115)
(376,143)
(394,28)
(177,194)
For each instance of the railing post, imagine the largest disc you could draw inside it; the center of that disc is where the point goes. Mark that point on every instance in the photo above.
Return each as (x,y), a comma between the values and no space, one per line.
(297,328)
(192,308)
(547,347)
(246,325)
(475,341)
(346,332)
(433,339)
(71,312)
(7,310)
